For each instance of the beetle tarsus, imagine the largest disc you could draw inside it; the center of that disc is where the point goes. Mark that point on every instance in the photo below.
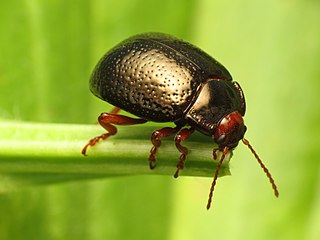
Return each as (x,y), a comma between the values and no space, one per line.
(156,137)
(152,164)
(180,165)
(152,159)
(94,140)
(84,150)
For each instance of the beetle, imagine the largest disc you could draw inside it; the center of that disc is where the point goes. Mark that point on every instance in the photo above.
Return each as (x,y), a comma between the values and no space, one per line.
(160,78)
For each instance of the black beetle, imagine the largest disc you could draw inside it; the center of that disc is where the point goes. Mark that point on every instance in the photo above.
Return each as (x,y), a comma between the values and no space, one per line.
(160,78)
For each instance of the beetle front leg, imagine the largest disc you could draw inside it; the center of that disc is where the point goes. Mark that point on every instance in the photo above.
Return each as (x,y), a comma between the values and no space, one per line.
(181,136)
(156,137)
(106,120)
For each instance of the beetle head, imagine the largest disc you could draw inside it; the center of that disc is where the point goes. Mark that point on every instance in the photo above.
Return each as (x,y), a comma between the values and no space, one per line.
(229,131)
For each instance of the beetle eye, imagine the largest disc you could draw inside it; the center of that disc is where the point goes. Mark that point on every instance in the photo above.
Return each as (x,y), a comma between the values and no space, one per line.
(220,139)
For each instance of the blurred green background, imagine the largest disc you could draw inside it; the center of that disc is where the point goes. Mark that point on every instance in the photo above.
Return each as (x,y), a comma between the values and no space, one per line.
(272,48)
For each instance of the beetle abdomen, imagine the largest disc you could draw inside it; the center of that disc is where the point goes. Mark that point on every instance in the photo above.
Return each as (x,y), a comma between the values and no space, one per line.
(148,76)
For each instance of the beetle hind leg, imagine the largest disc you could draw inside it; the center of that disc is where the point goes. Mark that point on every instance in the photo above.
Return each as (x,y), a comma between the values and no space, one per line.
(106,120)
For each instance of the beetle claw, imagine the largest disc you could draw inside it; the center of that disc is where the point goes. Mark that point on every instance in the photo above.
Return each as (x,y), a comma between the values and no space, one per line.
(176,173)
(180,165)
(152,164)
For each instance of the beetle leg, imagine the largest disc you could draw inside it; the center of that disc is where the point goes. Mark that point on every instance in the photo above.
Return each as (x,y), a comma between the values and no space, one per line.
(156,137)
(181,136)
(106,120)
(115,110)
(214,153)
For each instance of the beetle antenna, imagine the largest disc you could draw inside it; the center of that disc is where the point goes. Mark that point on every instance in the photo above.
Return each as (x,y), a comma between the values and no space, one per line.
(224,153)
(265,169)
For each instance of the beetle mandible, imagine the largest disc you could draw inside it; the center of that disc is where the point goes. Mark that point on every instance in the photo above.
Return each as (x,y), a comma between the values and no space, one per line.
(160,78)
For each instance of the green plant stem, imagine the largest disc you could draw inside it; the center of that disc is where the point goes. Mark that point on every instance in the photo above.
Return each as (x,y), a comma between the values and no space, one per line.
(40,153)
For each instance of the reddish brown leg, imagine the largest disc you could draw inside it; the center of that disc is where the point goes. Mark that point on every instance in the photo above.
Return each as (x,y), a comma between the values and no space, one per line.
(215,155)
(181,136)
(156,137)
(106,120)
(115,110)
